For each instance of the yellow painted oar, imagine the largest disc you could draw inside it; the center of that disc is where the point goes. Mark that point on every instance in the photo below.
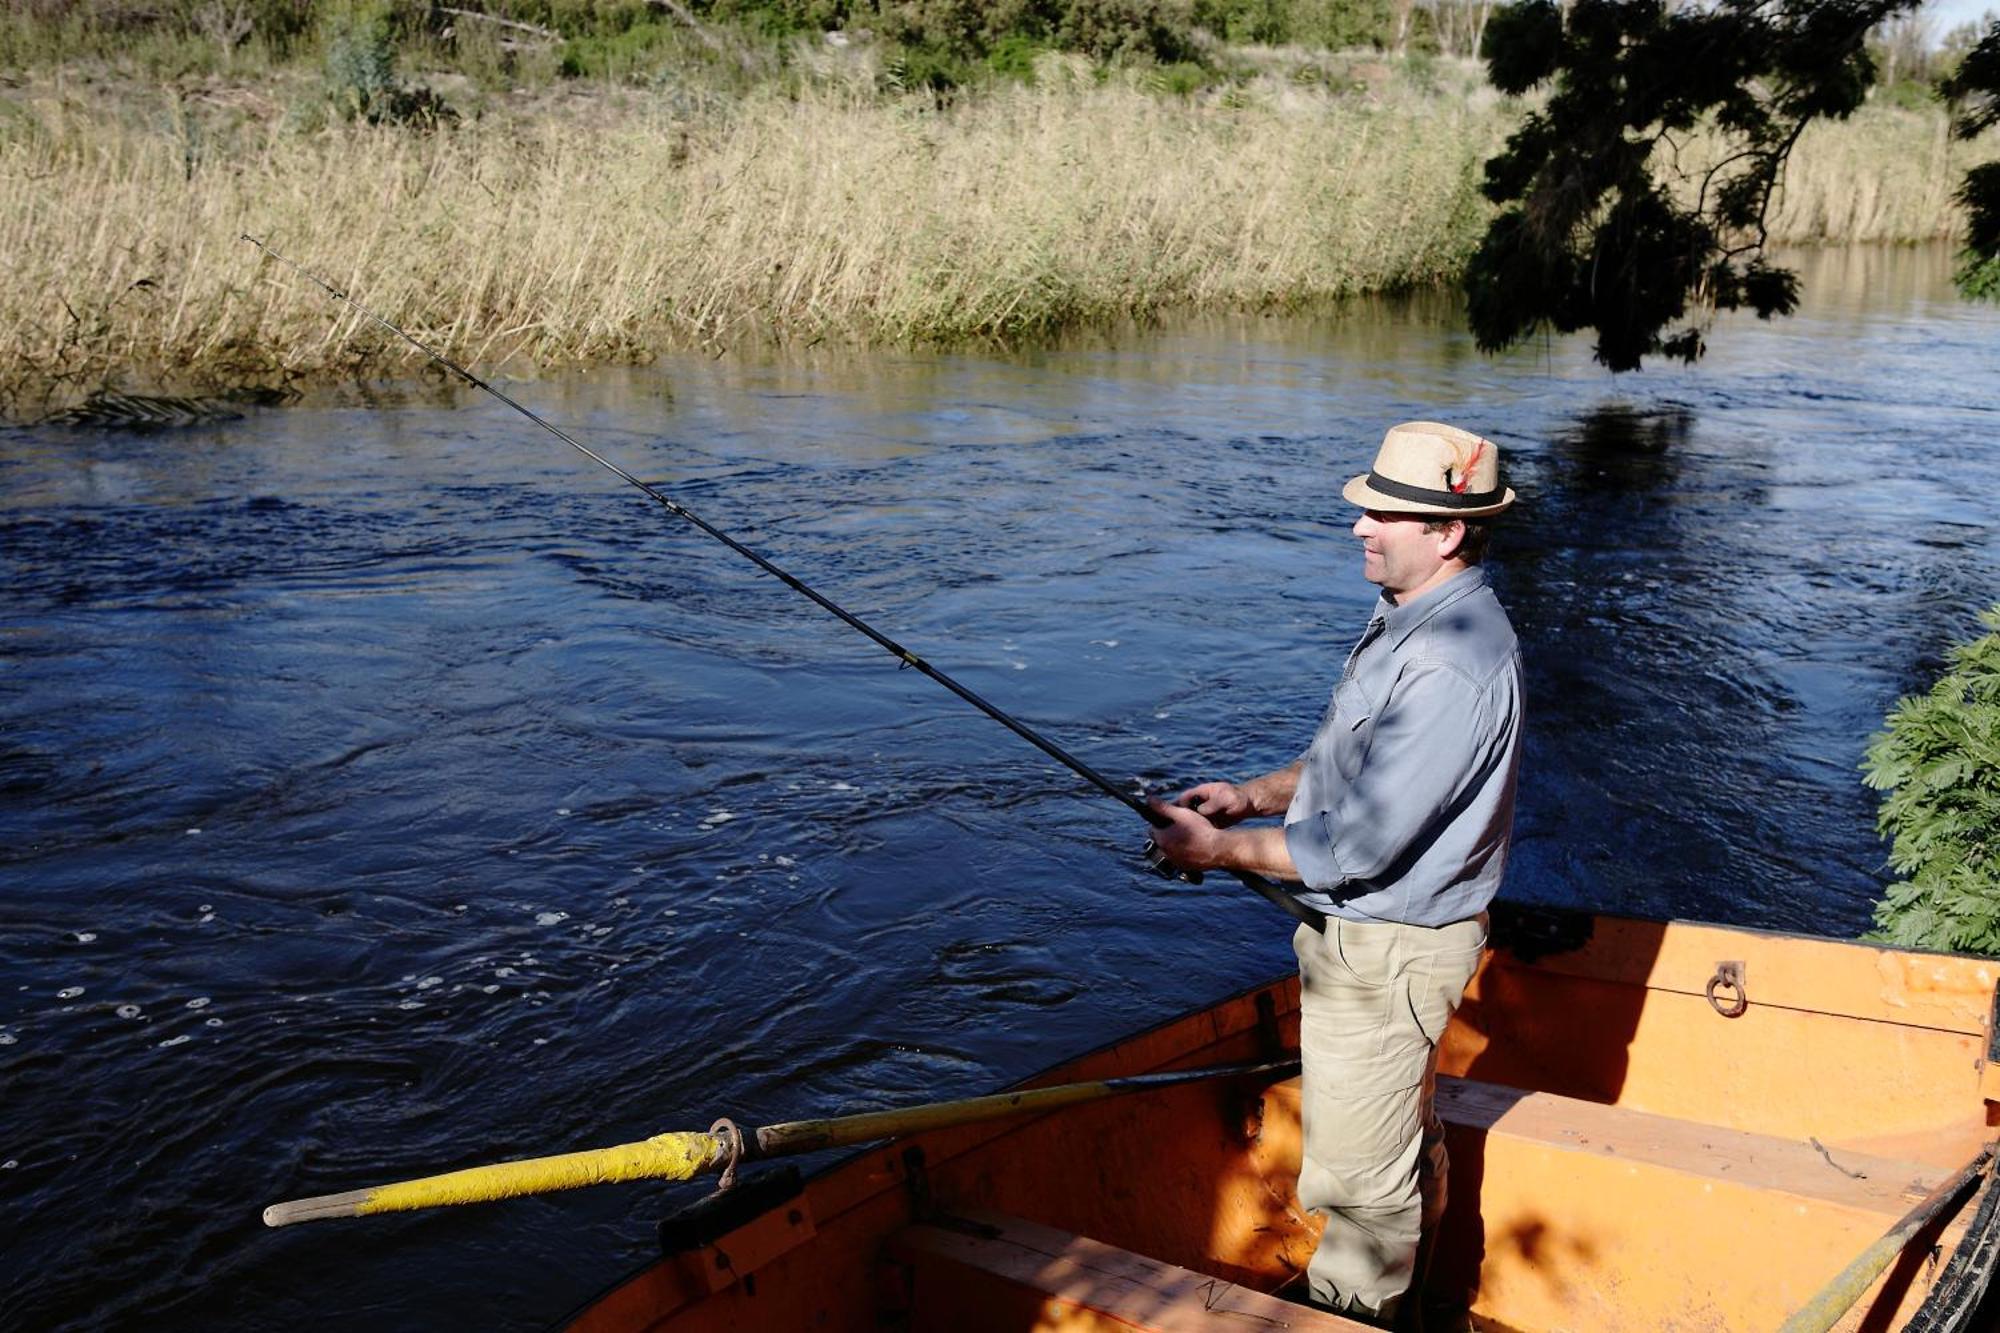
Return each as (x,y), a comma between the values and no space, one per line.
(683,1156)
(1834,1300)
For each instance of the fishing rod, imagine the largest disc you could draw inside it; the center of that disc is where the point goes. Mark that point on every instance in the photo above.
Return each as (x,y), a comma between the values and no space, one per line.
(1277,896)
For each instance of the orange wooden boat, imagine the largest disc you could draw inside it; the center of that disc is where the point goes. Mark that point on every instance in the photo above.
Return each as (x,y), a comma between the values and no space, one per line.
(1651,1126)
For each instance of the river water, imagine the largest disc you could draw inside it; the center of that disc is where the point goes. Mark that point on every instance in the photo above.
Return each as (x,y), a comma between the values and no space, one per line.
(385,789)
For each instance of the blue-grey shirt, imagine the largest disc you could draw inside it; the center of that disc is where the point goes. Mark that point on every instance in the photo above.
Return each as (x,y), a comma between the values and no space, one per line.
(1405,799)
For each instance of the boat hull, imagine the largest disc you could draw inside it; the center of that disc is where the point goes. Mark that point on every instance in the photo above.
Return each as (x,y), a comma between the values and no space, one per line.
(1627,1153)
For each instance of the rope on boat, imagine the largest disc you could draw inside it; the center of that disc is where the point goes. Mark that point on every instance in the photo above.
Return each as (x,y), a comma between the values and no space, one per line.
(662,1157)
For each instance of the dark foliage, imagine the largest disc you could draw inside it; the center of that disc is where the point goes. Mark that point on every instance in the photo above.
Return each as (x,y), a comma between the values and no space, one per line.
(1600,227)
(1974,92)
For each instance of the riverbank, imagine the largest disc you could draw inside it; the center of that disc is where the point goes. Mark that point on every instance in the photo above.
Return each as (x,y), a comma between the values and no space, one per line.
(591,222)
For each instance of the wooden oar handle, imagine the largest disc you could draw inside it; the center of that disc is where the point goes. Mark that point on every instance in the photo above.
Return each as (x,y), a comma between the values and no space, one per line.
(316,1209)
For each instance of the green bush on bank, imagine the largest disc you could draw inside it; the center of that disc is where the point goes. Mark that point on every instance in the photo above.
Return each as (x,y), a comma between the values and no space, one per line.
(936,42)
(1939,763)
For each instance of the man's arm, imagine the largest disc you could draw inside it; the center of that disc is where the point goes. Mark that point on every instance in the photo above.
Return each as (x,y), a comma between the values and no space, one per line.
(1193,843)
(1226,803)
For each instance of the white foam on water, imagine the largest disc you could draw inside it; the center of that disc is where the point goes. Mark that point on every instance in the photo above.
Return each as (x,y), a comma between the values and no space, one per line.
(841,786)
(205,918)
(181,1040)
(84,937)
(785,861)
(9,1164)
(8,1039)
(505,972)
(562,809)
(490,989)
(128,1011)
(1018,666)
(211,1023)
(1105,643)
(428,982)
(411,1004)
(551,918)
(69,992)
(600,931)
(716,817)
(192,832)
(670,911)
(621,902)
(199,1002)
(1163,714)
(541,1041)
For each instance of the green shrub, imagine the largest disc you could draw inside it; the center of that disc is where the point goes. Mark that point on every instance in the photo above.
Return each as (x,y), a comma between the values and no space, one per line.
(1013,57)
(621,54)
(1159,30)
(925,68)
(1978,278)
(359,42)
(1183,78)
(1266,21)
(1939,763)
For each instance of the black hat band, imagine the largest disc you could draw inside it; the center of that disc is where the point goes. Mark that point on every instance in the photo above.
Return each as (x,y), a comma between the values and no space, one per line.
(1402,490)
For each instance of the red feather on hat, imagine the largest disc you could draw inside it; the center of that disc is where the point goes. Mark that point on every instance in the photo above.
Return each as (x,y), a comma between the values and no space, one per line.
(1465,473)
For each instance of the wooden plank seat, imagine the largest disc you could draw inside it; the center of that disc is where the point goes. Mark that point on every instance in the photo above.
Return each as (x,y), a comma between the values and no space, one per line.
(1568,1213)
(984,1272)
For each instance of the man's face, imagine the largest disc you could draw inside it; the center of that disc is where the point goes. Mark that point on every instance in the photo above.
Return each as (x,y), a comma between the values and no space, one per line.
(1398,554)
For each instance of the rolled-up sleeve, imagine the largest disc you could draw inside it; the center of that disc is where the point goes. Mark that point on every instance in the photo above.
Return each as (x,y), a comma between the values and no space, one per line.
(1430,743)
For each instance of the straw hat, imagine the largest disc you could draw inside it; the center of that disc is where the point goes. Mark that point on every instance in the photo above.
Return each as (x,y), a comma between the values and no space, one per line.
(1424,467)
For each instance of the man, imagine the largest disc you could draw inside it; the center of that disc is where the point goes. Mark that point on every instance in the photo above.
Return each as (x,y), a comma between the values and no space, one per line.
(1396,823)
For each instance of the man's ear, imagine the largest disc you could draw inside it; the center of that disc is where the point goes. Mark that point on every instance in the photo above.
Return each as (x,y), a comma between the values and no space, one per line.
(1451,539)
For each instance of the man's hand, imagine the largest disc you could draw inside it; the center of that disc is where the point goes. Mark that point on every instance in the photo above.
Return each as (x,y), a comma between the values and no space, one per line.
(1222,803)
(1190,841)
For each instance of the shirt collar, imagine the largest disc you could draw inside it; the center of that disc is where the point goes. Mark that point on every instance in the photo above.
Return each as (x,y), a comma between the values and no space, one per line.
(1398,622)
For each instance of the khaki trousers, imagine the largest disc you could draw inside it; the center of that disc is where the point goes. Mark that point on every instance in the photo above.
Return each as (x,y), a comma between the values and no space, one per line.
(1374,998)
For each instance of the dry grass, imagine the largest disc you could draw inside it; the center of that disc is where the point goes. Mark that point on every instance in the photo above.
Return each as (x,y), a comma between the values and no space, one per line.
(1886,175)
(597,227)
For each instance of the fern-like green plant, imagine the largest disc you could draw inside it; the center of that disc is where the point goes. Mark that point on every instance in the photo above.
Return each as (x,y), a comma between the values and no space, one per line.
(1939,765)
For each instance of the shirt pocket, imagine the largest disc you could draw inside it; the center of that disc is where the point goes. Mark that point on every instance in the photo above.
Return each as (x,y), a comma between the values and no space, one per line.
(1351,725)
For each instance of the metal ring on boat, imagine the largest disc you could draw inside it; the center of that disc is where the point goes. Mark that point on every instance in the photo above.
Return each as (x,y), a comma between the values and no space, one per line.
(1731,975)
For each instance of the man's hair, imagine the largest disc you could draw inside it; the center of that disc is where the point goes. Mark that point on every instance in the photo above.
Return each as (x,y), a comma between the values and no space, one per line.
(1472,546)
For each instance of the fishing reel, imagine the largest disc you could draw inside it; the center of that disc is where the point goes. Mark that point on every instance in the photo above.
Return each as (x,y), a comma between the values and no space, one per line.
(1157,862)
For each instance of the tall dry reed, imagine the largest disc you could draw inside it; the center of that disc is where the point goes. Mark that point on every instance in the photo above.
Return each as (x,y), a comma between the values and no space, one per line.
(1887,174)
(596,228)
(568,235)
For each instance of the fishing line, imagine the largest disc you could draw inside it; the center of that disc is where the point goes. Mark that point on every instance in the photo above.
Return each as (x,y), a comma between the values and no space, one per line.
(1284,901)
